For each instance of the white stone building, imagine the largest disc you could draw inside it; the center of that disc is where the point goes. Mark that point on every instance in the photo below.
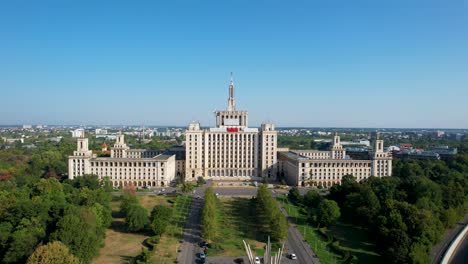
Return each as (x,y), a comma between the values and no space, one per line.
(326,168)
(231,150)
(125,166)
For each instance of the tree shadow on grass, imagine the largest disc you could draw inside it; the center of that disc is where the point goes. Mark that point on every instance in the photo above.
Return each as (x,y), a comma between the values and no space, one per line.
(243,218)
(126,259)
(119,226)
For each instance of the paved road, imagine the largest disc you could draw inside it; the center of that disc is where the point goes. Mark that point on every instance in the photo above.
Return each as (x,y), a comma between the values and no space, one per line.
(236,260)
(461,254)
(190,249)
(236,191)
(439,249)
(297,245)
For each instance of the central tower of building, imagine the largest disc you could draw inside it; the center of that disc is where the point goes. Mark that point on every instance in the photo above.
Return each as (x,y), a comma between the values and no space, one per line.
(231,150)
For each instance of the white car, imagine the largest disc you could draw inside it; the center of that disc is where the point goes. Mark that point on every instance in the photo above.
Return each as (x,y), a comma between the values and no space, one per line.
(257,260)
(292,256)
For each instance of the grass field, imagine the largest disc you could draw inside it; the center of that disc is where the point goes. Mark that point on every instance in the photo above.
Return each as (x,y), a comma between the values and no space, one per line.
(122,247)
(354,239)
(236,223)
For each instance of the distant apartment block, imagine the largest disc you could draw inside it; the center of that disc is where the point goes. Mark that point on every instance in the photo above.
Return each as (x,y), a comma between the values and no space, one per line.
(100,131)
(78,133)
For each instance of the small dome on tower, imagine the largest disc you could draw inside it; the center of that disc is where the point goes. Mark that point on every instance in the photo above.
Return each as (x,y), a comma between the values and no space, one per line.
(104,145)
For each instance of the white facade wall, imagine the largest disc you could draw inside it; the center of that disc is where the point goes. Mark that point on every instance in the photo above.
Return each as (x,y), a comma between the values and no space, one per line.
(231,150)
(140,170)
(326,168)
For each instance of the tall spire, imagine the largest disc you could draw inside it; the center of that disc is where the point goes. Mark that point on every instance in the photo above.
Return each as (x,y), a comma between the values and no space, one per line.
(231,102)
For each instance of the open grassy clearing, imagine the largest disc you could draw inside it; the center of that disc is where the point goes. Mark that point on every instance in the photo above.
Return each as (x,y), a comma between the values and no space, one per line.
(121,246)
(351,238)
(236,223)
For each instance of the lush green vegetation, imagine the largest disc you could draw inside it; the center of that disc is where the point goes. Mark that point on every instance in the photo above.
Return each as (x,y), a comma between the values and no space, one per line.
(269,217)
(409,212)
(320,239)
(236,224)
(226,222)
(160,219)
(46,211)
(53,252)
(209,215)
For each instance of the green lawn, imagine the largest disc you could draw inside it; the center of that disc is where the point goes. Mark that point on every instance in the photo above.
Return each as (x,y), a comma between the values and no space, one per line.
(352,238)
(236,223)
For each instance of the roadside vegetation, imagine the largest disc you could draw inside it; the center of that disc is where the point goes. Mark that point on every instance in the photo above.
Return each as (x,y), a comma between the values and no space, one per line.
(226,222)
(406,214)
(209,215)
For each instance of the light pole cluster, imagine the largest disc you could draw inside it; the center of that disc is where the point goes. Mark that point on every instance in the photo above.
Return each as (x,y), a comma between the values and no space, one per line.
(267,257)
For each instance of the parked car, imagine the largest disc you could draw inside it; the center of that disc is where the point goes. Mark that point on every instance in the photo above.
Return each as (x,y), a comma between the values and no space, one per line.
(202,256)
(257,260)
(292,256)
(203,244)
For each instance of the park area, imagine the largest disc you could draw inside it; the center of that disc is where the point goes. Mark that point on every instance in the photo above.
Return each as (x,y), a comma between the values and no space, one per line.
(122,246)
(331,244)
(237,222)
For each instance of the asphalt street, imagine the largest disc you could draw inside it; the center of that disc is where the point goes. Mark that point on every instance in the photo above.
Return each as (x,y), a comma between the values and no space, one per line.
(297,245)
(461,254)
(190,249)
(439,249)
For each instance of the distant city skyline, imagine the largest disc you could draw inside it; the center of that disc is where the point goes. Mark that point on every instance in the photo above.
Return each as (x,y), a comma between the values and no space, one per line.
(392,64)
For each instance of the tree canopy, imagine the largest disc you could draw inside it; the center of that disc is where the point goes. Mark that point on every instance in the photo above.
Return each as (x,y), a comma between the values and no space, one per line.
(52,253)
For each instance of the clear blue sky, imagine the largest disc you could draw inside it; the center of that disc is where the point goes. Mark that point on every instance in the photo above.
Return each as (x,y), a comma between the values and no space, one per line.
(297,63)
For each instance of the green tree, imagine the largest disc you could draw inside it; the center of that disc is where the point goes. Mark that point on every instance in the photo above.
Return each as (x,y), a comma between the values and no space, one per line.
(328,212)
(209,218)
(6,228)
(137,218)
(78,230)
(187,187)
(128,201)
(269,216)
(294,195)
(160,217)
(312,198)
(106,183)
(52,253)
(361,207)
(23,241)
(200,181)
(88,180)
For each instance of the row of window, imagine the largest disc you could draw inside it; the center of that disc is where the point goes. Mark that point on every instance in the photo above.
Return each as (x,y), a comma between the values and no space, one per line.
(340,164)
(127,164)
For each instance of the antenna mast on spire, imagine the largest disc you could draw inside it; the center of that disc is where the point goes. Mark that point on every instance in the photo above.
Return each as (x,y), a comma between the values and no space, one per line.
(231,102)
